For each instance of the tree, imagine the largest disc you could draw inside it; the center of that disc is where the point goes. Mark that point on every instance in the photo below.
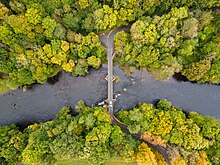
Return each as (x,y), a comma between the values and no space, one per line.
(94,62)
(83,3)
(145,155)
(7,36)
(71,21)
(190,28)
(197,70)
(210,128)
(150,137)
(35,13)
(4,11)
(104,18)
(213,153)
(164,105)
(147,56)
(49,26)
(22,76)
(12,143)
(81,68)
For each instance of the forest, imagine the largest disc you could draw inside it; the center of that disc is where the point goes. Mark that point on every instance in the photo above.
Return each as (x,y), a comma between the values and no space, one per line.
(40,38)
(89,135)
(181,41)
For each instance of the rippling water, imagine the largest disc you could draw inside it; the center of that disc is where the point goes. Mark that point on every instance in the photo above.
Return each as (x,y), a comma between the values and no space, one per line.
(42,102)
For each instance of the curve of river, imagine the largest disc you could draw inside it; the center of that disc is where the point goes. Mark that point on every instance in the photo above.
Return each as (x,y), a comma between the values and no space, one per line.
(42,102)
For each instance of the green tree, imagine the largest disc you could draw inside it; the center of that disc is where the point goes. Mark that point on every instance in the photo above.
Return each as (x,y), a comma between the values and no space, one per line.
(71,21)
(12,144)
(49,26)
(94,62)
(197,70)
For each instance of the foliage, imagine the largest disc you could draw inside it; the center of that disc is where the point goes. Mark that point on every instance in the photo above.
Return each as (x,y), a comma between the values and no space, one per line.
(144,155)
(35,46)
(117,79)
(90,135)
(213,153)
(40,38)
(168,124)
(156,140)
(12,144)
(210,129)
(151,44)
(180,41)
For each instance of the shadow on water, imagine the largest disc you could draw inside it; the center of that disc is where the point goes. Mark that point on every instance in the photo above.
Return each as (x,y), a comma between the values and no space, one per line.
(180,77)
(25,123)
(54,79)
(51,81)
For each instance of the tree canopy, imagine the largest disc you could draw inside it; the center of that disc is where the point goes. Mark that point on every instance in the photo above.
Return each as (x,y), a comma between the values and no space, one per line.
(181,41)
(35,46)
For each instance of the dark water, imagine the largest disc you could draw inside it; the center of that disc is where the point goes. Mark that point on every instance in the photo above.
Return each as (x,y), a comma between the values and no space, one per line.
(180,77)
(141,87)
(42,102)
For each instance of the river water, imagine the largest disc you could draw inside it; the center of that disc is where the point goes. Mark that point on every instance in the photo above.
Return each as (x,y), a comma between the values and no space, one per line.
(43,102)
(141,87)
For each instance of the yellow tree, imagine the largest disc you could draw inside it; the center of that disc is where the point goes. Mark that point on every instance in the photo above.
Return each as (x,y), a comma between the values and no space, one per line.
(3,11)
(144,155)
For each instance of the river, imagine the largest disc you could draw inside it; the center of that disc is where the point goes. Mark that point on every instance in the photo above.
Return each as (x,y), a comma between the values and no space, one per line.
(43,102)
